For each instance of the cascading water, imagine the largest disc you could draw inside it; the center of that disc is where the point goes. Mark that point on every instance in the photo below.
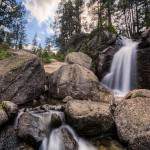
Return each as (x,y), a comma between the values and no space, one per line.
(122,76)
(56,142)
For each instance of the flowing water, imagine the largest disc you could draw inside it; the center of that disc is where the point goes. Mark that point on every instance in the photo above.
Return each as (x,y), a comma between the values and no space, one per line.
(122,76)
(55,140)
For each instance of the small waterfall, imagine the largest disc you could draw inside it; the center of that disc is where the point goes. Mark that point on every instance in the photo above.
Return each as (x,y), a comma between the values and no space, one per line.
(122,76)
(56,141)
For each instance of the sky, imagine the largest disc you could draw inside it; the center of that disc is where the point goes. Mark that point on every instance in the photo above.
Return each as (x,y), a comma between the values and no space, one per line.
(40,14)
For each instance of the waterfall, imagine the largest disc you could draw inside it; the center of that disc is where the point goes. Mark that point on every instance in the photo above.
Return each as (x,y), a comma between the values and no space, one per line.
(122,76)
(56,142)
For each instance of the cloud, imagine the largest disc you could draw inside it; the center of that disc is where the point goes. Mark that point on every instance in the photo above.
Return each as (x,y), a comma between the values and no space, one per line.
(42,10)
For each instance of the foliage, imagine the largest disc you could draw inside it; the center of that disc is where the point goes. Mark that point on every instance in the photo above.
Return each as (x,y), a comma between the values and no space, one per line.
(4,52)
(12,18)
(48,57)
(68,21)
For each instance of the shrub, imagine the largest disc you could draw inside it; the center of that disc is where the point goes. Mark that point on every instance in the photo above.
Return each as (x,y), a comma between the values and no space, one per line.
(4,52)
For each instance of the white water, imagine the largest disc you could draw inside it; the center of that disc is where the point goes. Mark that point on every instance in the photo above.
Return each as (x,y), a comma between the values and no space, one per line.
(55,141)
(122,76)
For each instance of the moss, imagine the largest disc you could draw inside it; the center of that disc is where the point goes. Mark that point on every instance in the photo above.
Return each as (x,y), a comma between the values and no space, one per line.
(138,94)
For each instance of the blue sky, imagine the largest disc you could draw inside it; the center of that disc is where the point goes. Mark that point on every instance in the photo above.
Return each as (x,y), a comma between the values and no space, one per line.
(40,14)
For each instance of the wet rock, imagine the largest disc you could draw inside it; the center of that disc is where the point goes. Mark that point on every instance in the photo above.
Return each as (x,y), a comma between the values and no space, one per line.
(144,61)
(145,42)
(56,121)
(104,60)
(78,82)
(89,118)
(132,121)
(79,58)
(22,78)
(69,142)
(34,125)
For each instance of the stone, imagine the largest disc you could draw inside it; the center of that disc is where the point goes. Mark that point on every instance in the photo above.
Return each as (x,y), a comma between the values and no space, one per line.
(3,116)
(69,142)
(143,61)
(79,58)
(52,67)
(22,78)
(104,60)
(33,125)
(10,108)
(133,121)
(89,118)
(10,141)
(79,83)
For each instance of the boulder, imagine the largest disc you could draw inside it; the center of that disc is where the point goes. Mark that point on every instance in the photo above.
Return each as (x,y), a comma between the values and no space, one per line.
(7,111)
(10,108)
(78,82)
(3,116)
(34,125)
(22,78)
(143,61)
(89,118)
(133,121)
(10,141)
(79,58)
(145,41)
(104,60)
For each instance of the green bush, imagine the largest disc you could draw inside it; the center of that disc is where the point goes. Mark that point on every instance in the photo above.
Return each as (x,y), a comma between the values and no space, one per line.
(4,53)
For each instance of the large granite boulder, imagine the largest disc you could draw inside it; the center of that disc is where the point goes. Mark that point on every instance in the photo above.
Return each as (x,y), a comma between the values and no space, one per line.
(22,78)
(34,125)
(133,121)
(78,82)
(89,118)
(143,61)
(79,58)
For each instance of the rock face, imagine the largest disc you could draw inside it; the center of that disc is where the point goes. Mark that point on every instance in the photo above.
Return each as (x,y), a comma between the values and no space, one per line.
(132,120)
(144,61)
(104,60)
(22,78)
(89,118)
(78,82)
(79,58)
(34,125)
(92,43)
